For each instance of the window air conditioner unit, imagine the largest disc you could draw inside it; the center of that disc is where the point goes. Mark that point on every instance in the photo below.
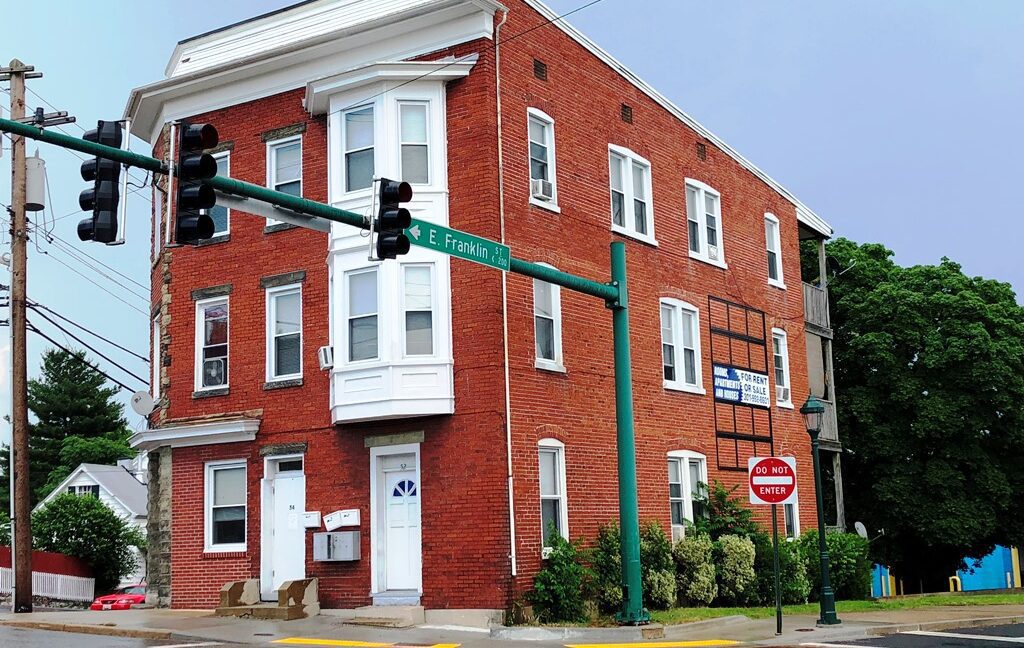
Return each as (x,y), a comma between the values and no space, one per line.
(782,394)
(542,190)
(713,252)
(326,356)
(678,533)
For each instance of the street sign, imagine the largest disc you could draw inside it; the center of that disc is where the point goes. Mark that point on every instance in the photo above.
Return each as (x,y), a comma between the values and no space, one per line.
(460,244)
(772,480)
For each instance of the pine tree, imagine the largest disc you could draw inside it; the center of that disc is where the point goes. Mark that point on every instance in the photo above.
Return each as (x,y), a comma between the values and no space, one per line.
(75,420)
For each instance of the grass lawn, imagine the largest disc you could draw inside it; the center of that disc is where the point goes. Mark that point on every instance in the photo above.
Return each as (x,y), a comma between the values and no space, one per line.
(686,615)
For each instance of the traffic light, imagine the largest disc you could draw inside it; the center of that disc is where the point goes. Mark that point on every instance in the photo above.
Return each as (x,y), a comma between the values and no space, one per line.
(102,198)
(194,196)
(392,218)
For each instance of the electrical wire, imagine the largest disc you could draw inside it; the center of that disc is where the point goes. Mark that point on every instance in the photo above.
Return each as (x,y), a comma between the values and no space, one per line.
(37,306)
(98,285)
(63,348)
(87,346)
(58,240)
(64,248)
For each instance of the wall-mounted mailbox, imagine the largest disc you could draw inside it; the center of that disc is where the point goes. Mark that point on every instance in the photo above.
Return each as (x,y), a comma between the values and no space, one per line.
(311,519)
(336,546)
(348,517)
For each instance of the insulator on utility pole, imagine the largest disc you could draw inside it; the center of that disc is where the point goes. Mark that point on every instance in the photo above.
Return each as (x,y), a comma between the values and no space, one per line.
(35,191)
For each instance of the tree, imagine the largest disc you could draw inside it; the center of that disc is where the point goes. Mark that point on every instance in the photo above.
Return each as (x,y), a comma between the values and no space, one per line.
(69,401)
(929,371)
(84,527)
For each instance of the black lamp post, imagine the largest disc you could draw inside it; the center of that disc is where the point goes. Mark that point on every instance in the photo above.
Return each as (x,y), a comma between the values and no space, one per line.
(813,412)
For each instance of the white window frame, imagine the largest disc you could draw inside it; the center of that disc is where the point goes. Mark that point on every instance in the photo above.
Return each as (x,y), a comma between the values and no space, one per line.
(271,320)
(775,241)
(556,364)
(401,142)
(629,158)
(795,508)
(377,270)
(431,267)
(209,469)
(779,334)
(558,449)
(702,190)
(683,458)
(223,155)
(201,305)
(376,111)
(680,384)
(549,123)
(272,147)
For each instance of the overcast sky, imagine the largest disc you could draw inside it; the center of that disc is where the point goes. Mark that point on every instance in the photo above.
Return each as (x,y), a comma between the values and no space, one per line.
(898,122)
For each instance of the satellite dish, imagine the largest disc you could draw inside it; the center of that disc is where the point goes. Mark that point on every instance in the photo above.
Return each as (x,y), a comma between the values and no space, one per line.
(862,530)
(143,403)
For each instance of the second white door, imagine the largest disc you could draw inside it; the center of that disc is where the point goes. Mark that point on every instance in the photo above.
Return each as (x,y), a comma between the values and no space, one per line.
(402,551)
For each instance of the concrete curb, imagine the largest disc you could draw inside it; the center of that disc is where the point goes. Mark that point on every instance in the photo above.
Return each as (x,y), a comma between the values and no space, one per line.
(106,630)
(944,625)
(558,633)
(706,623)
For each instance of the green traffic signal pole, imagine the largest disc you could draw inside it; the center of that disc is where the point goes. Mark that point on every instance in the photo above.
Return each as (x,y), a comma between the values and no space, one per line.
(613,293)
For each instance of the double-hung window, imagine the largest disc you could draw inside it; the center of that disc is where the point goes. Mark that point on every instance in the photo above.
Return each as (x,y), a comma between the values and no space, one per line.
(773,243)
(284,165)
(704,222)
(225,506)
(284,333)
(419,309)
(547,325)
(553,512)
(630,183)
(414,147)
(780,356)
(219,213)
(358,147)
(363,330)
(680,346)
(543,183)
(212,344)
(687,480)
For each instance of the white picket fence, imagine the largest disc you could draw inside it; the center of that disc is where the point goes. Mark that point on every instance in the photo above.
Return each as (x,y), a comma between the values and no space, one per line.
(55,586)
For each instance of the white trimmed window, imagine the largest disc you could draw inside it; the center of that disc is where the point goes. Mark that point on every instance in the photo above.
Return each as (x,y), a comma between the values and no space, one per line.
(284,333)
(212,343)
(357,148)
(362,308)
(80,491)
(418,305)
(680,346)
(543,183)
(773,243)
(553,509)
(219,213)
(687,481)
(415,149)
(284,165)
(630,180)
(547,325)
(704,222)
(791,520)
(780,356)
(225,506)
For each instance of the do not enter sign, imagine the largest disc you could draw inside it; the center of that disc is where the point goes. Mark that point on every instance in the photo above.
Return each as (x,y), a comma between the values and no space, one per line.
(772,480)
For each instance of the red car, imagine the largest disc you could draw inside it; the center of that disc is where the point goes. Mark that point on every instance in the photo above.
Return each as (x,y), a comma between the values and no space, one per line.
(123,599)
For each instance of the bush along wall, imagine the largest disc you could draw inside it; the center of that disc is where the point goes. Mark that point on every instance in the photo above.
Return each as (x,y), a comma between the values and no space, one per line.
(734,569)
(657,568)
(849,565)
(793,580)
(695,570)
(560,589)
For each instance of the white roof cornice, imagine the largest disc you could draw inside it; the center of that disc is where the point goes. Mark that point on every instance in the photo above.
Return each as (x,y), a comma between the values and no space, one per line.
(194,434)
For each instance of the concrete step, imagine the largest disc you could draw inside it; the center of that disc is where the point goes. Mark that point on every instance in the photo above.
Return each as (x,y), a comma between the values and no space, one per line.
(379,622)
(269,611)
(389,616)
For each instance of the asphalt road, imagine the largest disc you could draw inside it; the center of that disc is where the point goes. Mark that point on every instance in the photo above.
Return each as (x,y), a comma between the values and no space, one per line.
(32,638)
(1005,636)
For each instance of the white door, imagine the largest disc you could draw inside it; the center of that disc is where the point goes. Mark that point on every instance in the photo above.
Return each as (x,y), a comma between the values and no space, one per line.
(287,536)
(402,557)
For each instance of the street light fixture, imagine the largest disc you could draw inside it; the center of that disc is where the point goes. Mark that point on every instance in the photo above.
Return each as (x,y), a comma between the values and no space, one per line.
(813,412)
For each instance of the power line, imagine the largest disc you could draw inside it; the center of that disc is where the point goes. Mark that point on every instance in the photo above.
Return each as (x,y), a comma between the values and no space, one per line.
(86,362)
(97,261)
(36,305)
(87,346)
(97,284)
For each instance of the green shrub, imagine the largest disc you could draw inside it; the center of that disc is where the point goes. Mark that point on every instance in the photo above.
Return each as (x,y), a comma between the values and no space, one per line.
(793,580)
(734,569)
(849,565)
(695,569)
(657,569)
(725,514)
(559,589)
(85,528)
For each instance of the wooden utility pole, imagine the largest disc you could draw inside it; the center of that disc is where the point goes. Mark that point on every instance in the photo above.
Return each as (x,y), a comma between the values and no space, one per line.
(22,531)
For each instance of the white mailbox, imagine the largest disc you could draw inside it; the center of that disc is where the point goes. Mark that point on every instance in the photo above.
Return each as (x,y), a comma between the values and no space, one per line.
(338,546)
(311,519)
(348,517)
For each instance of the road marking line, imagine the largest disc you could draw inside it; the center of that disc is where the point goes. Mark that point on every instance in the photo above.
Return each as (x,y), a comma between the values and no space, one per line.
(195,645)
(661,644)
(960,635)
(308,641)
(835,645)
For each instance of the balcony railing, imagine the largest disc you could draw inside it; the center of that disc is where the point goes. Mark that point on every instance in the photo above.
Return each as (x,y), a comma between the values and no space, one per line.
(829,423)
(816,306)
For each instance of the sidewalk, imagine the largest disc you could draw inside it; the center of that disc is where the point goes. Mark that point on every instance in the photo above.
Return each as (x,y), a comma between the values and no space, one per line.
(201,625)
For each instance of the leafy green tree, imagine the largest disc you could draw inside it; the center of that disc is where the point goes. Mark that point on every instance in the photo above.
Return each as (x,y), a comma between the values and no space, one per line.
(84,527)
(76,419)
(726,514)
(929,370)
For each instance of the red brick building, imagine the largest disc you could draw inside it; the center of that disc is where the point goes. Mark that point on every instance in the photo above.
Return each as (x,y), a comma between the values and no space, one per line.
(464,405)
